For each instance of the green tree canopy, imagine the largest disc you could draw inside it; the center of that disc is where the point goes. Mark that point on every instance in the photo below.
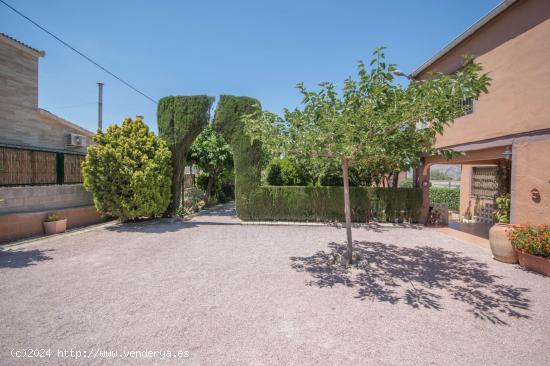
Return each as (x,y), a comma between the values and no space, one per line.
(128,171)
(212,154)
(374,120)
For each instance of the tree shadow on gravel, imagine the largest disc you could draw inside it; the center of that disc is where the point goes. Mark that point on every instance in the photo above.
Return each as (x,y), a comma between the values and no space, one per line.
(420,277)
(22,258)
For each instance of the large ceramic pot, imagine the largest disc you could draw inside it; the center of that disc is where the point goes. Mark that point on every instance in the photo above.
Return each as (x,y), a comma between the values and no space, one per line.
(502,248)
(534,263)
(55,227)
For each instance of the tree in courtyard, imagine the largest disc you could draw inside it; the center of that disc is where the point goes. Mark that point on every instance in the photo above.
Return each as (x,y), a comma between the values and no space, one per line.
(374,121)
(128,171)
(180,120)
(212,154)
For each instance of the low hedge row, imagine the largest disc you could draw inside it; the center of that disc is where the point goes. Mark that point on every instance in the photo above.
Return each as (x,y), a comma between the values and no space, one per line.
(321,204)
(450,196)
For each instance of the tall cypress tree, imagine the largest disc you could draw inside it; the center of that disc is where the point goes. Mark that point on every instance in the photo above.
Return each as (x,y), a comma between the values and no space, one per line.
(180,120)
(246,154)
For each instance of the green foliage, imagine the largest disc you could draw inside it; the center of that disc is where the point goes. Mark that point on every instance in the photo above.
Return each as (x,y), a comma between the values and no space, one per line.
(52,217)
(407,183)
(128,171)
(502,210)
(450,196)
(193,201)
(326,204)
(247,154)
(284,172)
(212,154)
(180,120)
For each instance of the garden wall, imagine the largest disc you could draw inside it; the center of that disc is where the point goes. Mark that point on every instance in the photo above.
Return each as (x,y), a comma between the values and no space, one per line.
(42,198)
(323,204)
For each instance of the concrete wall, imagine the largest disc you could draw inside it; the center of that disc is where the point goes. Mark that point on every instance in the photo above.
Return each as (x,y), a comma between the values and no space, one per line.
(515,49)
(531,175)
(42,198)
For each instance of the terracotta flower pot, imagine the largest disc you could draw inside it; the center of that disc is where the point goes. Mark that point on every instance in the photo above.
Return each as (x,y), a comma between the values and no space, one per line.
(534,263)
(502,248)
(55,227)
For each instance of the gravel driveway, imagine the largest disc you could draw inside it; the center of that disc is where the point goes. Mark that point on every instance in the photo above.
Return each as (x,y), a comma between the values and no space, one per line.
(222,293)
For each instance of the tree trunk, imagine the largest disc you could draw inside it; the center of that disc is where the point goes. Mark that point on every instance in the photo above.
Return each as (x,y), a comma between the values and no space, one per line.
(209,187)
(347,209)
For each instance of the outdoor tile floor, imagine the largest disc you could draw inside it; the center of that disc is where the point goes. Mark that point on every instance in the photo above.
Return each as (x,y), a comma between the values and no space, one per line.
(233,294)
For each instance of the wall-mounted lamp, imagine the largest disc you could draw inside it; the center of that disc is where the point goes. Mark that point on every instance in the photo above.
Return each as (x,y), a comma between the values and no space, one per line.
(507,153)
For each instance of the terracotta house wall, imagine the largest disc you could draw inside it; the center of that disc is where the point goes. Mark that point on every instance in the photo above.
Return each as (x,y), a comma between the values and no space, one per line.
(514,48)
(531,171)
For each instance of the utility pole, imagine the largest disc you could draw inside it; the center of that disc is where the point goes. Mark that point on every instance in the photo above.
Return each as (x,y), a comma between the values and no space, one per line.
(100,106)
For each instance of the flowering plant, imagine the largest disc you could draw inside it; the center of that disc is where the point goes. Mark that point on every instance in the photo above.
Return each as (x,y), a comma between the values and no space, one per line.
(531,239)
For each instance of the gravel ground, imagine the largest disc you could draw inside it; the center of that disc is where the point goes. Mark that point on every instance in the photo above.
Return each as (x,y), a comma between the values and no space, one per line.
(232,294)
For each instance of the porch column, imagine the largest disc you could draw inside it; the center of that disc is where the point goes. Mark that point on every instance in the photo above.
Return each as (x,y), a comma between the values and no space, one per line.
(465,190)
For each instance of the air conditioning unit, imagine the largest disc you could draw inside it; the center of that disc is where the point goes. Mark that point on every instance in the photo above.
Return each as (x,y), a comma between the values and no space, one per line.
(75,140)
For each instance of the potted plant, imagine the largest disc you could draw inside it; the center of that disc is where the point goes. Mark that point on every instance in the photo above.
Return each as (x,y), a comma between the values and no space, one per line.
(501,247)
(532,245)
(54,225)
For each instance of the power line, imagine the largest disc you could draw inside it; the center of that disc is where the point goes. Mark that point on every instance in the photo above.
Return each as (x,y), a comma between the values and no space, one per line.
(78,52)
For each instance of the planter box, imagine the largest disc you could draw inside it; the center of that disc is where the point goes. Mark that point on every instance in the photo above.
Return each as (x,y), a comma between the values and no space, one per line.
(534,263)
(55,227)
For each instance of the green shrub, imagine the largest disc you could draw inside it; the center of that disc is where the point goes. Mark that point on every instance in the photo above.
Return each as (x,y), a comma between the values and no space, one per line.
(193,201)
(180,120)
(284,172)
(407,183)
(128,171)
(450,196)
(326,204)
(502,210)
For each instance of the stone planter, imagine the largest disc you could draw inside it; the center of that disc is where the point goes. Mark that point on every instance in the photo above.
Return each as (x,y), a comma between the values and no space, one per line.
(534,263)
(55,227)
(502,248)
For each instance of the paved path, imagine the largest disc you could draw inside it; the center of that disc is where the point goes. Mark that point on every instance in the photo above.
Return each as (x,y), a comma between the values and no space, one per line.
(232,294)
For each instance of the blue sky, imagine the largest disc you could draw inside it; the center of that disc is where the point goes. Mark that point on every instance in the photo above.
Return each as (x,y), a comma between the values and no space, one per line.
(255,48)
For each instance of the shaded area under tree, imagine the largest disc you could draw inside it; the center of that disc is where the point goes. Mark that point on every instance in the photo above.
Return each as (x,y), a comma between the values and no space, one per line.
(420,277)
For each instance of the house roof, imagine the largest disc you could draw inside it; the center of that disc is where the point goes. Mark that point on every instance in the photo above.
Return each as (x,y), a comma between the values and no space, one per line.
(63,121)
(21,45)
(461,38)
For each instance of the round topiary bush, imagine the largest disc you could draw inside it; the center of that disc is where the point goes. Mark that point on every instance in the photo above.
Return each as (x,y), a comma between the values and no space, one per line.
(128,171)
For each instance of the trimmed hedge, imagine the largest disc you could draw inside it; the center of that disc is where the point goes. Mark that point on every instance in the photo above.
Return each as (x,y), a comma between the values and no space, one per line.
(247,155)
(322,204)
(180,120)
(450,196)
